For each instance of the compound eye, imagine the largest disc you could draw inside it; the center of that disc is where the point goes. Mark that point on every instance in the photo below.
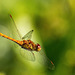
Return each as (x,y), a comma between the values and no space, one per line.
(38,47)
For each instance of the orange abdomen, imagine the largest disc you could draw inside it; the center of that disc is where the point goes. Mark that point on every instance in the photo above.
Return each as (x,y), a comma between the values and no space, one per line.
(16,41)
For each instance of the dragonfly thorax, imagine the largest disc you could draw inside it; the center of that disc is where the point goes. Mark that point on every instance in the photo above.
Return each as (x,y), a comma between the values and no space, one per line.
(30,45)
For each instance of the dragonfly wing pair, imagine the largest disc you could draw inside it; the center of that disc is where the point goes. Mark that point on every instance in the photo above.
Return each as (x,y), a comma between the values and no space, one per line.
(29,55)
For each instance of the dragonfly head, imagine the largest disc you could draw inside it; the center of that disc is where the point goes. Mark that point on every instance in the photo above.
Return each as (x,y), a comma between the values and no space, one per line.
(38,47)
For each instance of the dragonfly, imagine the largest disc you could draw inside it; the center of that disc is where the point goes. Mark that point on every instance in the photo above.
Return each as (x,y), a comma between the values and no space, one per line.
(28,44)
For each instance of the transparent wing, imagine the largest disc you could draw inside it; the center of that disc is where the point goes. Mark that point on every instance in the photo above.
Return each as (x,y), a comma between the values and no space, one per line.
(28,35)
(44,60)
(28,55)
(14,29)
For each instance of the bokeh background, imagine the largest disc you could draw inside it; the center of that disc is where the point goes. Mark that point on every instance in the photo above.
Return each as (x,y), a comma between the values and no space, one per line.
(53,22)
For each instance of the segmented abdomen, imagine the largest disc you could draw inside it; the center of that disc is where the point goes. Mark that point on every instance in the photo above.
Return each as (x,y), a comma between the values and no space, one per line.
(16,41)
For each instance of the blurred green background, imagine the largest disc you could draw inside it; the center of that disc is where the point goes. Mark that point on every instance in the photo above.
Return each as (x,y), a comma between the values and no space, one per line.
(53,22)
